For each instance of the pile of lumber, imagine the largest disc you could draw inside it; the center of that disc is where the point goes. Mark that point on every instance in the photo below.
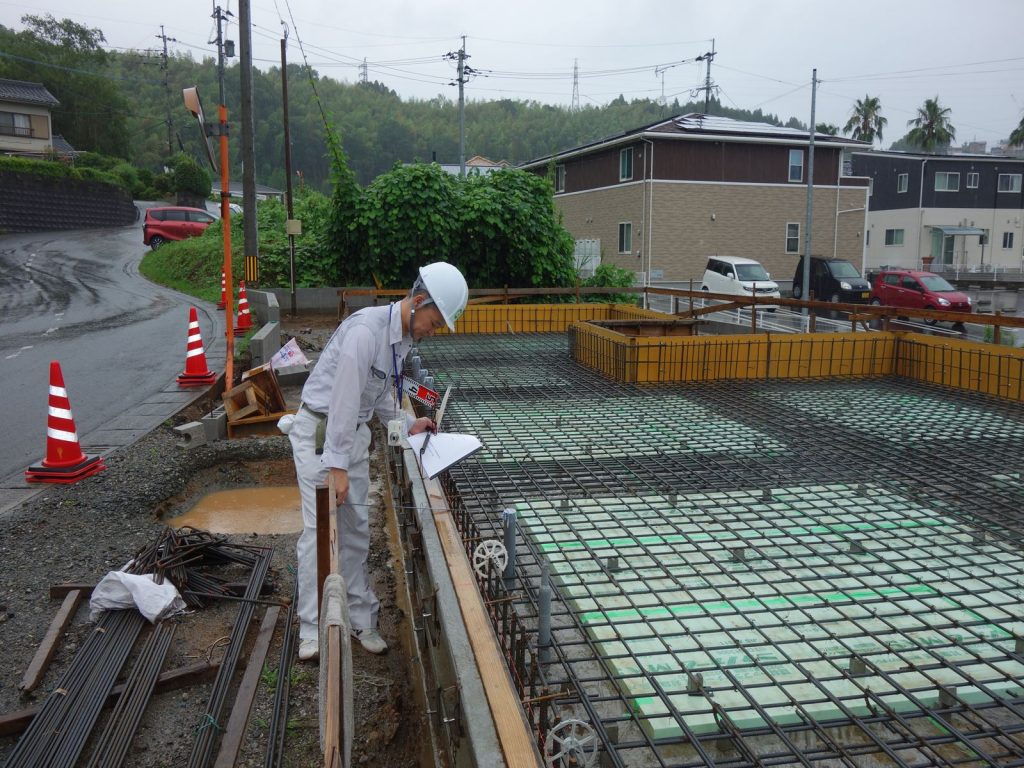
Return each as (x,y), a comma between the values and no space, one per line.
(255,405)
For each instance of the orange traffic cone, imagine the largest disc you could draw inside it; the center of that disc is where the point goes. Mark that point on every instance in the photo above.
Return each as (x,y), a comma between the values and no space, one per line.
(244,318)
(223,291)
(196,373)
(64,462)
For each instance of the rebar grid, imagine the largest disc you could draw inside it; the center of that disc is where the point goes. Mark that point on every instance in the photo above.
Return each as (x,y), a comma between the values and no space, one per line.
(804,572)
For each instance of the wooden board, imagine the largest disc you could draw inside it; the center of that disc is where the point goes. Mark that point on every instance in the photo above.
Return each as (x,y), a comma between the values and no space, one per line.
(238,722)
(44,653)
(514,733)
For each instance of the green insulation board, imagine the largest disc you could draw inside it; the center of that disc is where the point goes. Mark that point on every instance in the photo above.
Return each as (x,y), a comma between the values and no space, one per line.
(819,602)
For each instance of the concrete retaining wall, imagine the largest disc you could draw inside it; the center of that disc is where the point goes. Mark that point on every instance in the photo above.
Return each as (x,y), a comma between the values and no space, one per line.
(30,203)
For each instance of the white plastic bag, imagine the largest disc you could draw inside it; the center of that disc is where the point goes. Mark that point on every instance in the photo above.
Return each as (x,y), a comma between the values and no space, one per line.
(118,590)
(289,354)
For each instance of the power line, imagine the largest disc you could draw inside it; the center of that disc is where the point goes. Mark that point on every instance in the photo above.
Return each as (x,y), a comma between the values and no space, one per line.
(76,70)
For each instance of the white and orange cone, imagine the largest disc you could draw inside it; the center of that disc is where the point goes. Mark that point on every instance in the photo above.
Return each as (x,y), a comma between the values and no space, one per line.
(64,462)
(223,291)
(196,373)
(244,318)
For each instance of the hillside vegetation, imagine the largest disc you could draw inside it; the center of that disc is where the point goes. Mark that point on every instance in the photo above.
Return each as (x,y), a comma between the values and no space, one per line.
(116,103)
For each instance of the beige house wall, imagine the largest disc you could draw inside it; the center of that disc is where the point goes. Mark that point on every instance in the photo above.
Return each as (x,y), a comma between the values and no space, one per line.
(40,123)
(692,221)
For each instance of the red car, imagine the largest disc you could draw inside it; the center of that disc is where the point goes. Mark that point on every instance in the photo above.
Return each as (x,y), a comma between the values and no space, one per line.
(918,290)
(173,223)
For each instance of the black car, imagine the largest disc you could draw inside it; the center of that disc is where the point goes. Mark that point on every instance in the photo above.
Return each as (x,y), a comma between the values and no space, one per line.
(834,280)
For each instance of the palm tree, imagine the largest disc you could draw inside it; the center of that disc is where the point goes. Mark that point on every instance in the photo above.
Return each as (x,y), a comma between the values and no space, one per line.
(931,128)
(1017,137)
(866,121)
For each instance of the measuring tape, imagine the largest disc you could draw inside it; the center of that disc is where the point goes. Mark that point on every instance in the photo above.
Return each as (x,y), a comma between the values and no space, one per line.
(421,394)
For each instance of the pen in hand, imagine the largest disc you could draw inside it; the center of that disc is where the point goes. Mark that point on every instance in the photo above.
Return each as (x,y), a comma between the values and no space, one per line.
(427,440)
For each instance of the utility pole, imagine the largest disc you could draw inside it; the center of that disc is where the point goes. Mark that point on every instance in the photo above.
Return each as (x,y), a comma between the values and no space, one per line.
(363,74)
(462,109)
(810,195)
(167,90)
(288,167)
(708,85)
(225,198)
(251,240)
(463,77)
(576,86)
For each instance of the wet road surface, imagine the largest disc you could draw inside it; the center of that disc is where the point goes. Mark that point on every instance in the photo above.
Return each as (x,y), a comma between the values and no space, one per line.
(77,297)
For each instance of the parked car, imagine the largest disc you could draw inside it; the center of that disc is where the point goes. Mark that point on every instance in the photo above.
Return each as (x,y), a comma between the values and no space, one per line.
(834,280)
(173,223)
(919,290)
(739,276)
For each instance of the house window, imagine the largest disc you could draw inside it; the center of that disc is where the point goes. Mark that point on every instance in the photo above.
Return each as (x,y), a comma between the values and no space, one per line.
(1009,182)
(625,237)
(894,237)
(15,124)
(626,164)
(793,238)
(559,178)
(1007,240)
(902,182)
(796,165)
(972,180)
(867,237)
(947,181)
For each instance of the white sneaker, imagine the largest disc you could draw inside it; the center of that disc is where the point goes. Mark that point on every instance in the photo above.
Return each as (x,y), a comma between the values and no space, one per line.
(309,650)
(370,640)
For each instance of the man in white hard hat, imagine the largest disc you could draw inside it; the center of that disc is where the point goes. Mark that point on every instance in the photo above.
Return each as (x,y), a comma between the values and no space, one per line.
(358,374)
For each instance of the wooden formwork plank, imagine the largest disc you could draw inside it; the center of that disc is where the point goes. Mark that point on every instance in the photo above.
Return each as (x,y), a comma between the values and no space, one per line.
(238,722)
(514,734)
(44,653)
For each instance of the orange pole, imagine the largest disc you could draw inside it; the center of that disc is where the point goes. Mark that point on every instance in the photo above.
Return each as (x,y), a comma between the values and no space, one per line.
(225,215)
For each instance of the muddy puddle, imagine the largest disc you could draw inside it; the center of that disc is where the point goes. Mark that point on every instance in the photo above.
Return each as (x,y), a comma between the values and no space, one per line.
(263,510)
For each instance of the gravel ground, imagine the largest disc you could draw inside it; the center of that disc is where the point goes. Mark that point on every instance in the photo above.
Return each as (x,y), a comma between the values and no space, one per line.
(79,532)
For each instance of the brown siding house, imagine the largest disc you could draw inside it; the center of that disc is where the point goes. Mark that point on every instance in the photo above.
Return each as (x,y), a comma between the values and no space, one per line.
(664,197)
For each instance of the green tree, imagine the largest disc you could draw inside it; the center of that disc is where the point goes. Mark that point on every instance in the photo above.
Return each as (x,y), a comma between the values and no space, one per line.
(1017,137)
(69,60)
(189,179)
(407,217)
(866,121)
(510,232)
(931,129)
(828,128)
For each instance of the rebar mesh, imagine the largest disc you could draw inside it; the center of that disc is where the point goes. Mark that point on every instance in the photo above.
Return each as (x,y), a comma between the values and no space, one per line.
(820,572)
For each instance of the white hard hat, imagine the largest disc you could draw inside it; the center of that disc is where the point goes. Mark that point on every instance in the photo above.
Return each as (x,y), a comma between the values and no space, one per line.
(447,288)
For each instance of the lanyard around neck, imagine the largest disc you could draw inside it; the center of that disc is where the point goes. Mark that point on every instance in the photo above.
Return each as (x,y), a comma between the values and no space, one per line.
(399,378)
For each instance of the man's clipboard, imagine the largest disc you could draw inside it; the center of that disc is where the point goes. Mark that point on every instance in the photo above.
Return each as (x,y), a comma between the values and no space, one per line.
(442,449)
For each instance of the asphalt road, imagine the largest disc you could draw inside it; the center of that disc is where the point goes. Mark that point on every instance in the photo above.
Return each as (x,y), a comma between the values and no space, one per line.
(77,297)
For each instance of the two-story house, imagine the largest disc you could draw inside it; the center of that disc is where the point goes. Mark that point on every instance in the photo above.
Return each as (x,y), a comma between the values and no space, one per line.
(25,125)
(664,197)
(960,211)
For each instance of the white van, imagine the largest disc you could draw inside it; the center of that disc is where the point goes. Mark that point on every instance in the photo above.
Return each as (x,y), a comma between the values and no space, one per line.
(739,276)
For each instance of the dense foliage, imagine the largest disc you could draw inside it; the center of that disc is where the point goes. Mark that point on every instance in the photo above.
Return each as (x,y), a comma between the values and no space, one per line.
(57,170)
(500,229)
(190,177)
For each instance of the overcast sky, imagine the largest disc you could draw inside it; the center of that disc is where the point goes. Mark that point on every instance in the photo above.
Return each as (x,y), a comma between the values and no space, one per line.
(969,54)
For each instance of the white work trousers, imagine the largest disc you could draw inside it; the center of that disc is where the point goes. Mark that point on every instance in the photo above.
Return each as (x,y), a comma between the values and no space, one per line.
(353,527)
